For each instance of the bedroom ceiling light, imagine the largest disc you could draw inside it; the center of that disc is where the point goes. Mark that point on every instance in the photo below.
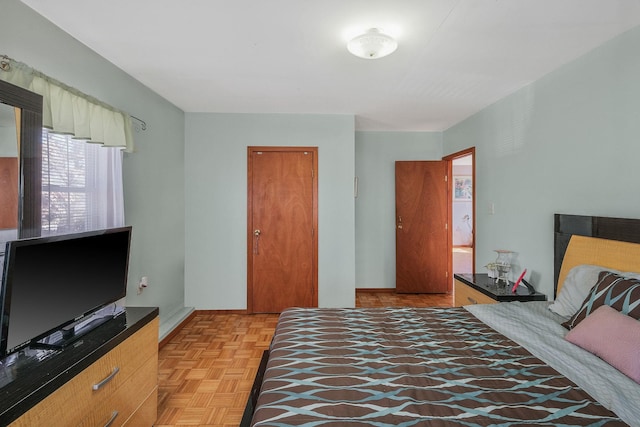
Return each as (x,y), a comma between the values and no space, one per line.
(373,44)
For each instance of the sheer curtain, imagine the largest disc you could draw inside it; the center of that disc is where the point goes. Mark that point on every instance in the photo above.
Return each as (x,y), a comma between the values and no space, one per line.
(81,185)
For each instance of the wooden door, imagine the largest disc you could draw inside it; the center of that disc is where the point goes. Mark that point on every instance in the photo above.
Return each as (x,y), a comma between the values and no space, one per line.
(421,227)
(282,223)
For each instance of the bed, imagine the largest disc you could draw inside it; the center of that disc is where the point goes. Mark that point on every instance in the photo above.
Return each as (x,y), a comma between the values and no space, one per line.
(495,364)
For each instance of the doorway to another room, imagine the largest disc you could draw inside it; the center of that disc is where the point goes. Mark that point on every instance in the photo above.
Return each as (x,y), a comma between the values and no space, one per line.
(463,211)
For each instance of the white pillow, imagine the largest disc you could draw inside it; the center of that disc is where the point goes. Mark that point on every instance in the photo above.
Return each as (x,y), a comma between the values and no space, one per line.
(577,285)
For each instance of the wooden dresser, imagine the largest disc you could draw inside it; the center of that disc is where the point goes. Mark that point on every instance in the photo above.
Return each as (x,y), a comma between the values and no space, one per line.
(108,378)
(481,289)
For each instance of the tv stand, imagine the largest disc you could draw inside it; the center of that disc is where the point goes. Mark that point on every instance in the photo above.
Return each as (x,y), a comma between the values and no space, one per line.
(74,331)
(110,375)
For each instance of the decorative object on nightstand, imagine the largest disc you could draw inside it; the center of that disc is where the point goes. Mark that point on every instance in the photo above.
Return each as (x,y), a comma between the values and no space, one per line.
(520,279)
(491,270)
(503,265)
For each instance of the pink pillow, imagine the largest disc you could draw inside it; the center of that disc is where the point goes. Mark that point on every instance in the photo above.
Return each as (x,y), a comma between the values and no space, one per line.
(612,336)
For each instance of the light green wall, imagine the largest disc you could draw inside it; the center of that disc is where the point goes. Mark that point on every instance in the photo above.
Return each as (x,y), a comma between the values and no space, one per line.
(216,202)
(568,143)
(376,153)
(153,176)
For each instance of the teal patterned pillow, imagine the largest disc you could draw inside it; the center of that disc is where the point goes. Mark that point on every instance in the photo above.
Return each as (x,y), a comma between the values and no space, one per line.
(613,290)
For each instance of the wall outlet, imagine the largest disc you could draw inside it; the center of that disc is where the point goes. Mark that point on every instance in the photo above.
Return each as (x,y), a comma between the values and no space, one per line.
(143,283)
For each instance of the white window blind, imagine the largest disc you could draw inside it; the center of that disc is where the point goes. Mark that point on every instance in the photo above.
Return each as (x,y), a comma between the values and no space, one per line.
(81,185)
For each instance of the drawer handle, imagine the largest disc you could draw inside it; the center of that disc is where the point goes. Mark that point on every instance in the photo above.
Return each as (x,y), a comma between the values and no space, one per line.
(112,419)
(106,380)
(472,301)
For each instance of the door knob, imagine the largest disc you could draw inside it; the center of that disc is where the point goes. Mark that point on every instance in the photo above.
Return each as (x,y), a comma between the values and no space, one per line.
(256,232)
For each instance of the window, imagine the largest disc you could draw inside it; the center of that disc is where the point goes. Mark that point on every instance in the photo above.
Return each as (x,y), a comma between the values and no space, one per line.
(81,185)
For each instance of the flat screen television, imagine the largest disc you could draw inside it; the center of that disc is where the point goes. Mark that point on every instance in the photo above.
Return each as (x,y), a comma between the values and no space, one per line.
(53,286)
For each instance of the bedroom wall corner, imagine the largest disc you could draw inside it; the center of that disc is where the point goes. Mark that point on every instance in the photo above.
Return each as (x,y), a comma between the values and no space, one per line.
(567,143)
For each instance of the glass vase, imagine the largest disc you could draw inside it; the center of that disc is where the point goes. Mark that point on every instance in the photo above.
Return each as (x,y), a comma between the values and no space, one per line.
(503,266)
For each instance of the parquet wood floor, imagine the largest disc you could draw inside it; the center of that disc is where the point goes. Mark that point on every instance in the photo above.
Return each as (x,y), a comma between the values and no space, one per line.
(391,299)
(207,368)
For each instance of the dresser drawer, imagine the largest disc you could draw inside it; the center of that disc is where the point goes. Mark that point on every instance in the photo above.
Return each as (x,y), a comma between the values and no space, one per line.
(147,412)
(76,400)
(123,402)
(465,295)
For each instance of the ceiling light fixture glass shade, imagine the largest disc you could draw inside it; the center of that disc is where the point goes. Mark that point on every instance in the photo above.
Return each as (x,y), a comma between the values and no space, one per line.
(373,44)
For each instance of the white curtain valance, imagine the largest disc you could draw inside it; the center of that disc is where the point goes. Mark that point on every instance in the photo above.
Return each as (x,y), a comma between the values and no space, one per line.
(68,111)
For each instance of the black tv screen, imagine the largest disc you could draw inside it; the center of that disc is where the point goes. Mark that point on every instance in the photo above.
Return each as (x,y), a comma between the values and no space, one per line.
(50,282)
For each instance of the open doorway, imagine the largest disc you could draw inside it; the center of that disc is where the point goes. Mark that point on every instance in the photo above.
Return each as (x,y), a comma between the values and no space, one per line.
(462,211)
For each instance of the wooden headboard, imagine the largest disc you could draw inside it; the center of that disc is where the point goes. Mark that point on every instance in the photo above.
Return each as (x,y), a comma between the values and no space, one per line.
(616,229)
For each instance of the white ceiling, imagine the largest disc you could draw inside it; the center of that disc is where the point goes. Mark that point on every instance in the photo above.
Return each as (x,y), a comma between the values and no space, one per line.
(454,58)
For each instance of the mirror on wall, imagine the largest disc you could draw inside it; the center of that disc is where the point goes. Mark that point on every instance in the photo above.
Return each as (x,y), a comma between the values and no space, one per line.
(9,172)
(20,163)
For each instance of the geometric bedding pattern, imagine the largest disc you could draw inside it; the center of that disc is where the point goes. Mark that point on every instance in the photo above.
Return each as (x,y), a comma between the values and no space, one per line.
(613,290)
(409,367)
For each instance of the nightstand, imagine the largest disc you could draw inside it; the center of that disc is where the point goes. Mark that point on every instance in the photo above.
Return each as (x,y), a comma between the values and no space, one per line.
(481,289)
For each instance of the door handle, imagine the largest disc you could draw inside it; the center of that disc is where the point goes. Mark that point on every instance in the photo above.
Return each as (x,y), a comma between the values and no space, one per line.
(399,222)
(256,241)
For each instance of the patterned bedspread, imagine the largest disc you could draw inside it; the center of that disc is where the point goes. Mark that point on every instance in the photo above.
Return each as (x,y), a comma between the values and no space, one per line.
(411,366)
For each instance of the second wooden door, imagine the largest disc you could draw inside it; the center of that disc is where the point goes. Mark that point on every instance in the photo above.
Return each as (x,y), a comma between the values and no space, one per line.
(282,237)
(421,227)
